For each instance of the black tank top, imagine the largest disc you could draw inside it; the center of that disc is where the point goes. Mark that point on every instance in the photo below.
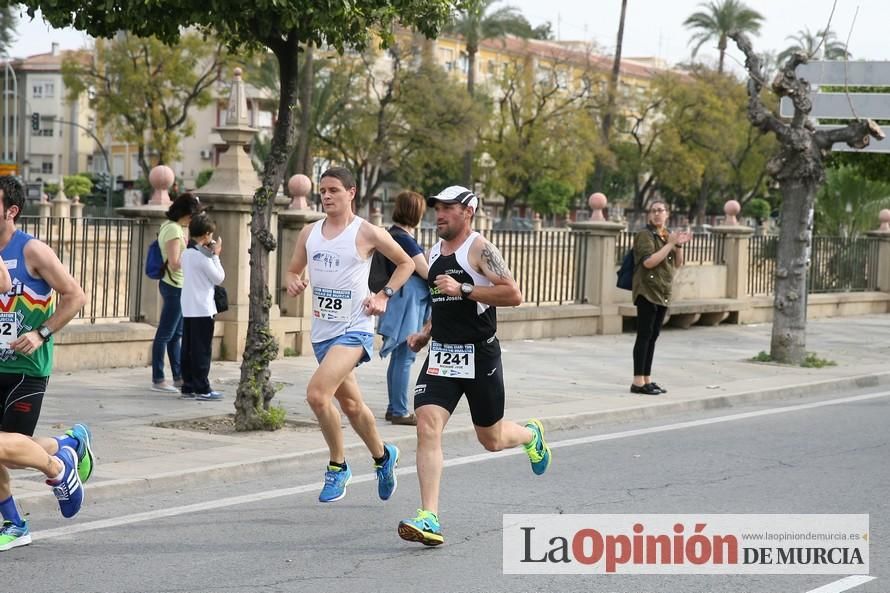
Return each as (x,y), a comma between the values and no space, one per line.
(459,320)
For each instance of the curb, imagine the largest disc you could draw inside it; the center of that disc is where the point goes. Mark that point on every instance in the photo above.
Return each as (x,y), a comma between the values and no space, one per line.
(311,460)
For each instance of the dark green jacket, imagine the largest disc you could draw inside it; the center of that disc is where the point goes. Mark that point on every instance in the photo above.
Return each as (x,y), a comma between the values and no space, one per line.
(653,285)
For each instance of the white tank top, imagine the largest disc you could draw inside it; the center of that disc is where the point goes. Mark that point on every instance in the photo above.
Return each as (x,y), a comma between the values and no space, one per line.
(338,279)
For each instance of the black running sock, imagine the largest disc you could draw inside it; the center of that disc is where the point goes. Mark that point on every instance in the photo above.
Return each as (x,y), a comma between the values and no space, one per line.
(383,459)
(340,466)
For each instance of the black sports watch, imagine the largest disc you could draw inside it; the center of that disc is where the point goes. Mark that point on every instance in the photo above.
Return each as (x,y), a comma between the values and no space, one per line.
(388,291)
(466,289)
(44,332)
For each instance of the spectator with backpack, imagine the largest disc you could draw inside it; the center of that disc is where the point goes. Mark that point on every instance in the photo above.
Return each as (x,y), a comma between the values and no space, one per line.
(408,309)
(202,272)
(172,244)
(657,254)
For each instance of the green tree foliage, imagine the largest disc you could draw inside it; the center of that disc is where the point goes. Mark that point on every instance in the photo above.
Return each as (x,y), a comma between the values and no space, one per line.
(848,204)
(821,45)
(8,23)
(717,20)
(142,90)
(551,196)
(394,123)
(542,129)
(758,209)
(77,185)
(282,28)
(707,152)
(481,20)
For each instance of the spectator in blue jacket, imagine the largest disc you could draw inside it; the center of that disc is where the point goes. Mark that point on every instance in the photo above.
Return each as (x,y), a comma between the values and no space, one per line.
(407,309)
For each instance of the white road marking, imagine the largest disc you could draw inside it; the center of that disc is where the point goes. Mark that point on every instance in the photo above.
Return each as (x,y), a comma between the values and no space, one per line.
(314,487)
(844,584)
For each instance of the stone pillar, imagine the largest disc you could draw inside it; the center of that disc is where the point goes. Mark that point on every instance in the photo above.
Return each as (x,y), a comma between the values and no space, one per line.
(44,210)
(536,222)
(291,222)
(883,257)
(595,267)
(735,255)
(230,192)
(376,217)
(76,208)
(61,204)
(147,307)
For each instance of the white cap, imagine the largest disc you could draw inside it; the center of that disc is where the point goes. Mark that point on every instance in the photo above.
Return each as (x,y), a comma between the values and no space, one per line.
(455,194)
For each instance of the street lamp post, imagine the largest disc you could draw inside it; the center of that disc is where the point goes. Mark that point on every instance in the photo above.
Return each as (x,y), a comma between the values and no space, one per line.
(107,161)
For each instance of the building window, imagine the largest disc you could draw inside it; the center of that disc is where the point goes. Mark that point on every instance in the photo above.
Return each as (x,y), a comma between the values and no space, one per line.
(46,167)
(46,127)
(49,90)
(37,91)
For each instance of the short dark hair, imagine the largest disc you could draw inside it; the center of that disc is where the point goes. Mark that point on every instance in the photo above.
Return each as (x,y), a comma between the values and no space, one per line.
(201,225)
(184,205)
(409,208)
(343,174)
(13,194)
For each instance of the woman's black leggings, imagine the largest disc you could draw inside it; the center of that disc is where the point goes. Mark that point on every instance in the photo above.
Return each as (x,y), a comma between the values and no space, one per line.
(649,319)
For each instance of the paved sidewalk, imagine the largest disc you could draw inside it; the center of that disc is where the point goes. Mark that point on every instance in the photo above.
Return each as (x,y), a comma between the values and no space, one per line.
(567,382)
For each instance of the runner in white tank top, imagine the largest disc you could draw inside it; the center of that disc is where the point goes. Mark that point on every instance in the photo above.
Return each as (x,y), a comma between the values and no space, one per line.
(339,278)
(337,252)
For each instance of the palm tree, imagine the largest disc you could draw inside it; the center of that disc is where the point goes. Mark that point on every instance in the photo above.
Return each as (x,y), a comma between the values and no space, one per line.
(718,20)
(823,45)
(475,24)
(8,22)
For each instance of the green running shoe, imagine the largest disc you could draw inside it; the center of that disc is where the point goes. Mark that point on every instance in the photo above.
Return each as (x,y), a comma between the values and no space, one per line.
(13,536)
(424,528)
(84,450)
(538,452)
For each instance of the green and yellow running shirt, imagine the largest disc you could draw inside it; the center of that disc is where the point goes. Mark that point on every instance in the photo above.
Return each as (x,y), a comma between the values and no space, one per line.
(24,308)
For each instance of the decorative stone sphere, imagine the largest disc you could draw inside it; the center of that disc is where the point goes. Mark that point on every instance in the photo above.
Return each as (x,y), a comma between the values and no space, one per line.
(299,186)
(597,201)
(732,208)
(161,177)
(238,72)
(884,217)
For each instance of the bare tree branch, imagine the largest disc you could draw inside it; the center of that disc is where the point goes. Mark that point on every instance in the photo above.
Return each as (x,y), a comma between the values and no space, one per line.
(758,113)
(857,134)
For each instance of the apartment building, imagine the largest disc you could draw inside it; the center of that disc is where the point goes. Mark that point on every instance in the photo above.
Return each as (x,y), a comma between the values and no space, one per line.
(46,135)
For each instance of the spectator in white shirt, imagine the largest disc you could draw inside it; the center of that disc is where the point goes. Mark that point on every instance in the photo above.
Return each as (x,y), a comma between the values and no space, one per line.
(202,271)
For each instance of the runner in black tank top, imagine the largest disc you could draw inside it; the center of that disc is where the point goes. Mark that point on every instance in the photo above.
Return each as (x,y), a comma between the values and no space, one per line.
(467,279)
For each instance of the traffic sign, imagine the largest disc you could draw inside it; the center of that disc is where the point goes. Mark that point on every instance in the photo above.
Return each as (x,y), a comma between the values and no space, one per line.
(845,106)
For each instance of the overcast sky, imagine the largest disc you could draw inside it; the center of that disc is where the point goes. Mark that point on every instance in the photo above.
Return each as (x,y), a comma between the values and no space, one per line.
(653,27)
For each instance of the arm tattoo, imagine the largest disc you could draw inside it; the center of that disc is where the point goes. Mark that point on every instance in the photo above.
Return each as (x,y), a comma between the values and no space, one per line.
(492,259)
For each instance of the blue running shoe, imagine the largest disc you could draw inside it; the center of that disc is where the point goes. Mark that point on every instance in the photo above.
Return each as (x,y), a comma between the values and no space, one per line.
(213,396)
(13,536)
(424,528)
(386,473)
(69,490)
(538,452)
(335,482)
(85,460)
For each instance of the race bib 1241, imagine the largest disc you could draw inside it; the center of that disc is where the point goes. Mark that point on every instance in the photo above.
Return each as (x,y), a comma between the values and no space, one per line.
(452,360)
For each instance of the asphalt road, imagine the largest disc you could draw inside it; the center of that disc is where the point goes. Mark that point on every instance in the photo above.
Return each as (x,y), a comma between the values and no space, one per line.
(271,535)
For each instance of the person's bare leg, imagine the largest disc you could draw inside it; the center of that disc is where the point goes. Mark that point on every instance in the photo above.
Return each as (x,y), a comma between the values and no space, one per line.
(337,365)
(20,451)
(360,415)
(503,434)
(431,421)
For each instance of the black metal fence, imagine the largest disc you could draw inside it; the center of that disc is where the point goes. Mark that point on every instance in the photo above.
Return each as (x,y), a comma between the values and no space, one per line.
(703,248)
(544,262)
(96,251)
(837,264)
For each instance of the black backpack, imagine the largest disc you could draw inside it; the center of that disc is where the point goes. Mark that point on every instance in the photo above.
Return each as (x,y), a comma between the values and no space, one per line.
(381,268)
(626,271)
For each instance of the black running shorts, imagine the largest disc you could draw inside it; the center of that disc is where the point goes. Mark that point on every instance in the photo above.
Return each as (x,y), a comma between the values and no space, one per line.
(20,399)
(485,392)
